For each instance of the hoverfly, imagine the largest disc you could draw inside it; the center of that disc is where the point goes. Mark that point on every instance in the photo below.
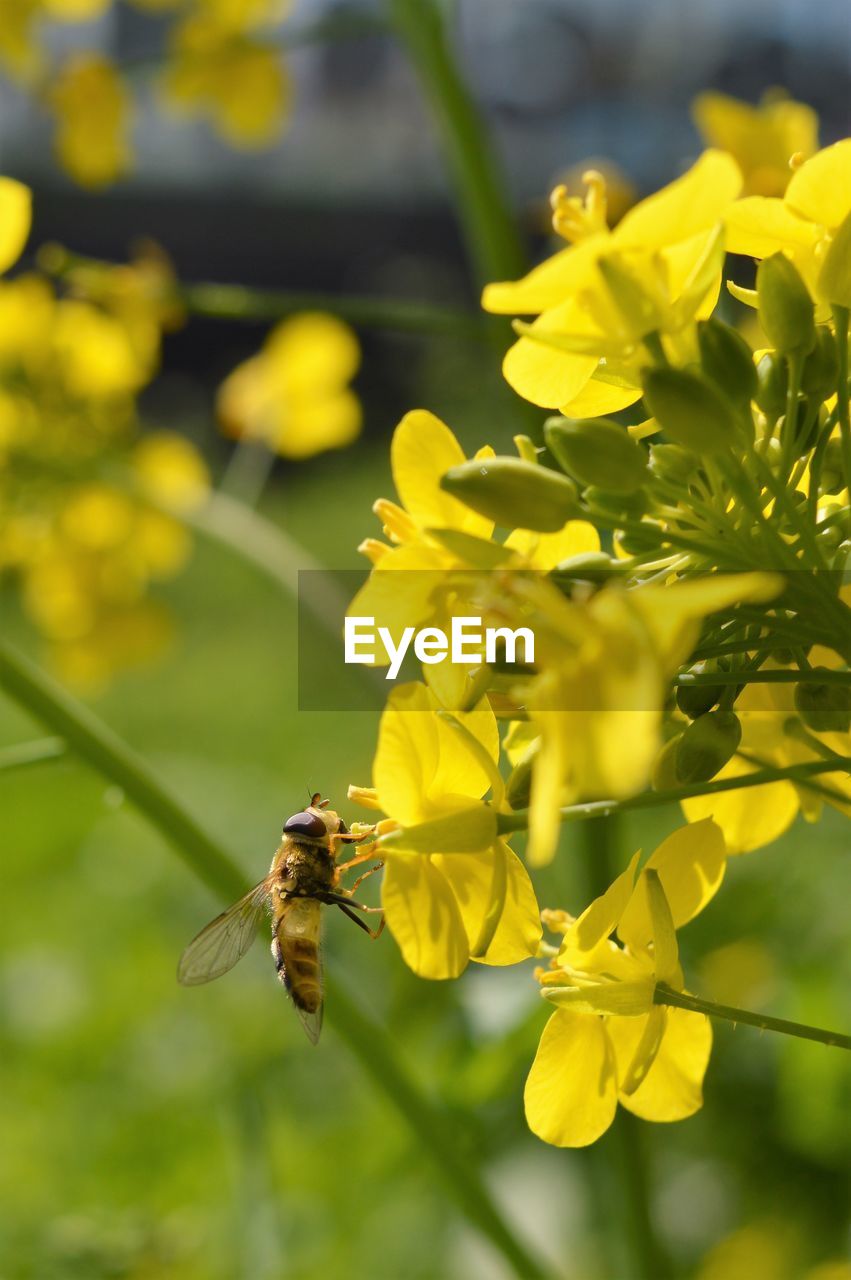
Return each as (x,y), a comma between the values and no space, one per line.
(304,874)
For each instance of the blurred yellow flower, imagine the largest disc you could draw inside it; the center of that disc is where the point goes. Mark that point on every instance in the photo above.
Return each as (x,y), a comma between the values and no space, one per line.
(673,227)
(762,138)
(239,84)
(440,845)
(92,108)
(295,395)
(609,1041)
(804,222)
(15,220)
(19,49)
(170,471)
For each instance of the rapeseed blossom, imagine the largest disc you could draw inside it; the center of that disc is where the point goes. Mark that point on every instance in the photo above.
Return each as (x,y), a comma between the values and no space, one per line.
(610,1041)
(762,139)
(445,864)
(92,109)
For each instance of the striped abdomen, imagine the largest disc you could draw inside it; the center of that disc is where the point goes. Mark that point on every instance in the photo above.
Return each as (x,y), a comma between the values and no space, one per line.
(297,952)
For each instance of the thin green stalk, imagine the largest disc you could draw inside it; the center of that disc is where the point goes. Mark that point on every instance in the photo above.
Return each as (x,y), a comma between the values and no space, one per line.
(682,1000)
(624,1144)
(24,754)
(507,822)
(493,244)
(825,676)
(102,749)
(843,410)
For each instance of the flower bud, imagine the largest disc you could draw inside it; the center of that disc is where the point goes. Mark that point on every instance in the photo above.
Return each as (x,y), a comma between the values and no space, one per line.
(518,788)
(616,504)
(770,448)
(832,478)
(772,384)
(588,566)
(706,746)
(692,412)
(695,700)
(514,493)
(834,282)
(824,708)
(727,360)
(664,776)
(786,310)
(821,369)
(639,543)
(597,451)
(672,462)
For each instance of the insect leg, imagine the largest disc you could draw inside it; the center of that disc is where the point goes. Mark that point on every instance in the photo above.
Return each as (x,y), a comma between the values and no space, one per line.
(365,876)
(373,933)
(278,957)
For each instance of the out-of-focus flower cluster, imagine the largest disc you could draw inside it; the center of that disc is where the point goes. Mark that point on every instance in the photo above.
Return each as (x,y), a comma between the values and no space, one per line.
(220,61)
(684,569)
(85,499)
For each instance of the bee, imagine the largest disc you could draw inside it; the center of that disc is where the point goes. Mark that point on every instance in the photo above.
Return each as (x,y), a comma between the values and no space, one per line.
(304,874)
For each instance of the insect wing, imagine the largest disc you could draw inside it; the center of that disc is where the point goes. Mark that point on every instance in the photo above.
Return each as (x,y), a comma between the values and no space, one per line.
(224,940)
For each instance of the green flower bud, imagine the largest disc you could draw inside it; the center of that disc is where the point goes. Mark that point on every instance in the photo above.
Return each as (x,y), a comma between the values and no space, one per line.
(637,543)
(514,493)
(832,478)
(518,788)
(672,462)
(786,310)
(616,504)
(824,708)
(772,383)
(589,566)
(689,409)
(695,700)
(821,368)
(727,360)
(841,564)
(771,449)
(706,746)
(664,776)
(597,451)
(834,282)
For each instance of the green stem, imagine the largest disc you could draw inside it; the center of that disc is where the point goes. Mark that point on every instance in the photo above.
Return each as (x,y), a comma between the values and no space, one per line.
(492,241)
(624,1145)
(840,316)
(96,743)
(681,1000)
(24,754)
(507,822)
(690,679)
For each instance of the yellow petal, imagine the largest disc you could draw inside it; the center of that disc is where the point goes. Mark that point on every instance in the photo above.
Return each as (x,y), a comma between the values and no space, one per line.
(519,930)
(690,864)
(545,376)
(750,818)
(598,398)
(691,204)
(673,1087)
(458,770)
(599,919)
(821,189)
(407,755)
(423,449)
(546,550)
(571,1093)
(399,592)
(762,225)
(548,284)
(422,914)
(15,220)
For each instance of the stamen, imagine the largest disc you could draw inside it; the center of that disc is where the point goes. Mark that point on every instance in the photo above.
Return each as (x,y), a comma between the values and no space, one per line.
(398,525)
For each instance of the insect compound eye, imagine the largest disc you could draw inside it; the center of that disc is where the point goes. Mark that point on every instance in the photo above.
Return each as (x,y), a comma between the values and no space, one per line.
(304,824)
(342,830)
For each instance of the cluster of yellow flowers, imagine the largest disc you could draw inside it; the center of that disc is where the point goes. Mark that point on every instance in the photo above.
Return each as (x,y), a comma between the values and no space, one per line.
(686,580)
(219,63)
(85,501)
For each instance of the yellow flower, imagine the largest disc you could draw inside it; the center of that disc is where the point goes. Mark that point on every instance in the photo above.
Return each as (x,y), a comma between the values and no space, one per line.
(756,816)
(676,225)
(238,83)
(608,1040)
(762,139)
(804,222)
(604,668)
(92,109)
(15,220)
(441,552)
(445,866)
(294,395)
